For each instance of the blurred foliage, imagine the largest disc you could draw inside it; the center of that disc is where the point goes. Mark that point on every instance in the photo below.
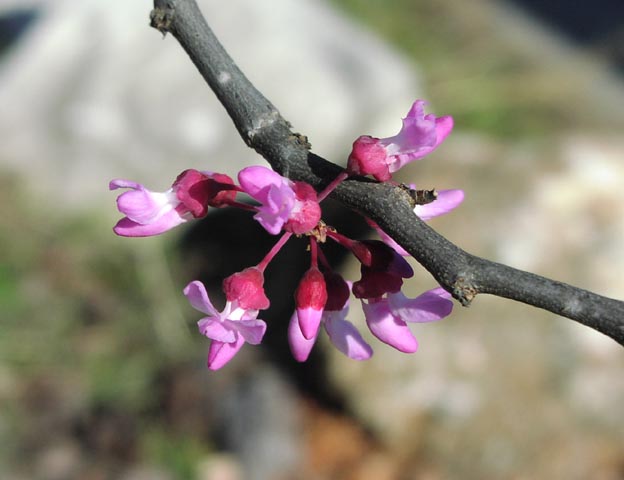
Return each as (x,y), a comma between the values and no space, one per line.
(488,83)
(80,332)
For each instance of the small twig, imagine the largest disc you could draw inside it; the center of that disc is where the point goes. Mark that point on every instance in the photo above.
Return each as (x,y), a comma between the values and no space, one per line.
(263,128)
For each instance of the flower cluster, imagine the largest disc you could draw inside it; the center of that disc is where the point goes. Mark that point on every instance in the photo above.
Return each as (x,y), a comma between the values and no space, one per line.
(288,207)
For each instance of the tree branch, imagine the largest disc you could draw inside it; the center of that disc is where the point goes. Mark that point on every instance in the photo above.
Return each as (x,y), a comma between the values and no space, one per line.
(262,128)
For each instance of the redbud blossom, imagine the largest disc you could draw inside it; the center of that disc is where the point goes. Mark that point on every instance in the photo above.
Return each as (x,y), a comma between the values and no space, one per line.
(288,205)
(342,333)
(419,136)
(152,213)
(386,317)
(229,329)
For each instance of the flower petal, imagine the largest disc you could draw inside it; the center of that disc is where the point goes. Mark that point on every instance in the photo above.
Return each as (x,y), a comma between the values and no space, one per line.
(388,328)
(419,136)
(121,183)
(216,330)
(447,200)
(255,180)
(196,294)
(143,206)
(221,353)
(346,338)
(127,228)
(309,321)
(251,330)
(276,208)
(299,345)
(428,307)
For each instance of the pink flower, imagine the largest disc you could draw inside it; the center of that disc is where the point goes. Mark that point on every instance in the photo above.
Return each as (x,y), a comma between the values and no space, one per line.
(342,333)
(152,213)
(285,204)
(419,136)
(386,317)
(229,329)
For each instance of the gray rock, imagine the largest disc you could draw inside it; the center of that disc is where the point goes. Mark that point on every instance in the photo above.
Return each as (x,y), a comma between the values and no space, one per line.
(92,93)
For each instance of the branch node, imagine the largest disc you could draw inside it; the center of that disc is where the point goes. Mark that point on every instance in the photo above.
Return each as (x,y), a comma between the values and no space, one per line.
(161,18)
(262,122)
(464,291)
(302,140)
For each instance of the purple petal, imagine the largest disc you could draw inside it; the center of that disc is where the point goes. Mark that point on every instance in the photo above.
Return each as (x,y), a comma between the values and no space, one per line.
(346,338)
(388,328)
(299,345)
(447,200)
(418,130)
(430,306)
(420,135)
(127,228)
(221,353)
(444,126)
(216,330)
(271,223)
(197,296)
(251,330)
(309,321)
(143,206)
(256,180)
(275,212)
(120,183)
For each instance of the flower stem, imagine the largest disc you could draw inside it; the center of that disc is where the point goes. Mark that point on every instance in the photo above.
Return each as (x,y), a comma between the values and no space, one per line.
(332,185)
(314,250)
(276,248)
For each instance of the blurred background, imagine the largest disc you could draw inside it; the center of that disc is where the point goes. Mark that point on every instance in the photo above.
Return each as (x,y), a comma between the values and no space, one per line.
(102,371)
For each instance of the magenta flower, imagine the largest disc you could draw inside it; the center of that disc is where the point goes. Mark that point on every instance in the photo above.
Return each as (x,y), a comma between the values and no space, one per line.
(419,136)
(285,204)
(152,213)
(228,330)
(387,316)
(342,333)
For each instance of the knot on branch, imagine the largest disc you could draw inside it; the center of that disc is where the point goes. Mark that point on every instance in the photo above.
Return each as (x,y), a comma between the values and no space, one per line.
(302,140)
(463,290)
(261,122)
(161,17)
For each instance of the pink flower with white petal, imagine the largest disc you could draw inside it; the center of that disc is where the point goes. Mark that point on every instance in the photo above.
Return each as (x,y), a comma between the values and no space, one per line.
(228,330)
(387,316)
(150,213)
(342,333)
(419,136)
(288,205)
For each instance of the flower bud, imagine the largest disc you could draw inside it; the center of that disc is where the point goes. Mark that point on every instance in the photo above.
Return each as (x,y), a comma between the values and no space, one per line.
(310,300)
(246,287)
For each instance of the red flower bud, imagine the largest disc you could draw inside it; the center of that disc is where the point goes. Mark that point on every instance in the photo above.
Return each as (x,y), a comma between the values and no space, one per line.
(310,299)
(246,287)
